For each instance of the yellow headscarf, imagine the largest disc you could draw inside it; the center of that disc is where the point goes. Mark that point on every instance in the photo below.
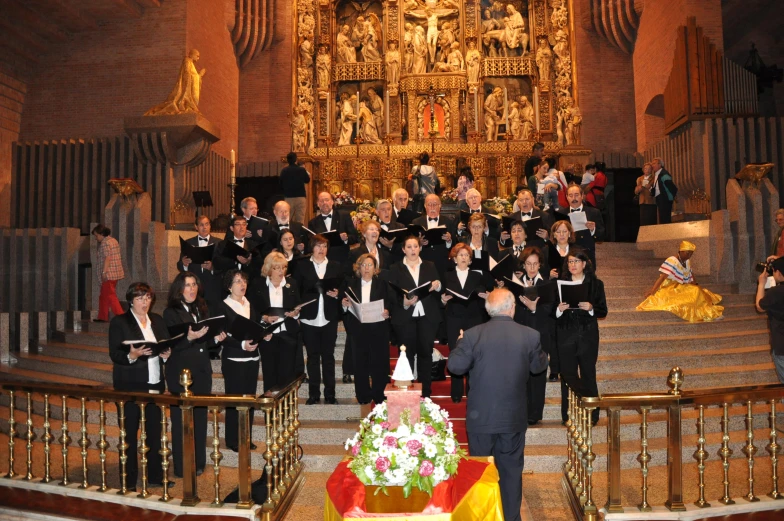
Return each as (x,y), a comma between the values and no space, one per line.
(687,246)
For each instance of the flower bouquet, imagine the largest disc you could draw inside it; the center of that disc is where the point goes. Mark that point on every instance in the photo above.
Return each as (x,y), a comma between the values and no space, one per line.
(419,456)
(365,211)
(498,205)
(450,196)
(342,198)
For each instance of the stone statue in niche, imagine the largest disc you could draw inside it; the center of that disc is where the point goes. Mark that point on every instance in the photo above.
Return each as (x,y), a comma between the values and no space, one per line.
(544,60)
(392,58)
(299,129)
(431,16)
(347,53)
(368,125)
(473,59)
(573,120)
(408,47)
(491,34)
(185,95)
(454,62)
(376,106)
(347,119)
(515,127)
(419,62)
(306,52)
(494,109)
(370,37)
(323,68)
(561,47)
(526,112)
(514,31)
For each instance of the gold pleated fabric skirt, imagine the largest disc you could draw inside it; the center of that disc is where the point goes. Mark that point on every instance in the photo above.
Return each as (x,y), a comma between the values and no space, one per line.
(688,301)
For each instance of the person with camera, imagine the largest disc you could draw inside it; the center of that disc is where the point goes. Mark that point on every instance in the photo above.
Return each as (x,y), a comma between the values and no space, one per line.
(676,290)
(771,301)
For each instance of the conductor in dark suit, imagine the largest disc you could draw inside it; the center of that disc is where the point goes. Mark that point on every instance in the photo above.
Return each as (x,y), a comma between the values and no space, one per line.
(192,352)
(209,276)
(595,232)
(499,356)
(328,220)
(438,254)
(137,370)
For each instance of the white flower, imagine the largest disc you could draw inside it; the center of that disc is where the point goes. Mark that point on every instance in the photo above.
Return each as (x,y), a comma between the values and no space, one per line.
(376,429)
(370,471)
(377,443)
(402,432)
(430,450)
(384,451)
(449,444)
(439,474)
(419,428)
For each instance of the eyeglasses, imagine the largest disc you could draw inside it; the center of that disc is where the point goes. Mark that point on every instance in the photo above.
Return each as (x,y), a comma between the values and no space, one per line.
(143,298)
(574,262)
(531,264)
(367,265)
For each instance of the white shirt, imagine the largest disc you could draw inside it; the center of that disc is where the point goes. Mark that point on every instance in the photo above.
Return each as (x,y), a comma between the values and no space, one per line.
(320,320)
(327,222)
(243,309)
(419,309)
(518,249)
(656,182)
(153,362)
(462,276)
(276,301)
(366,284)
(375,254)
(432,224)
(241,244)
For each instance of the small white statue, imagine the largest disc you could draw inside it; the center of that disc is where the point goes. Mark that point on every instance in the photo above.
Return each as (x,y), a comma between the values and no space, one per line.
(347,53)
(323,67)
(544,60)
(402,375)
(472,60)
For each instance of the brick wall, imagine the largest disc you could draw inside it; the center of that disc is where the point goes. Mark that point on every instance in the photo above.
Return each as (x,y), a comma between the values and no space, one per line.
(265,95)
(654,51)
(12,99)
(605,91)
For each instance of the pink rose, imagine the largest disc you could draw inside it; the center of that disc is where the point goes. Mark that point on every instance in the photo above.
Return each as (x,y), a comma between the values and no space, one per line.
(413,447)
(430,431)
(383,464)
(385,425)
(355,449)
(426,468)
(390,441)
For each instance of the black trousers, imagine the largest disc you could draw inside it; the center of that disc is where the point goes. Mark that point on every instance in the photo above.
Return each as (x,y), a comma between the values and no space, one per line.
(202,384)
(299,356)
(508,451)
(664,207)
(555,360)
(418,336)
(578,349)
(647,214)
(238,378)
(278,358)
(371,360)
(320,345)
(348,364)
(459,388)
(152,416)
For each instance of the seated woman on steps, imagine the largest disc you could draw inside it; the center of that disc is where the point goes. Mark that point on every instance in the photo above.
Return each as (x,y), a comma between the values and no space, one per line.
(677,292)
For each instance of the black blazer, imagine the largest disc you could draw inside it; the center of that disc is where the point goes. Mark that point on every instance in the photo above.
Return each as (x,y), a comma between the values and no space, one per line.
(399,274)
(186,355)
(489,244)
(306,278)
(542,319)
(438,254)
(224,264)
(232,348)
(127,376)
(341,221)
(258,294)
(379,290)
(356,253)
(473,307)
(396,252)
(499,356)
(544,249)
(547,222)
(211,280)
(272,231)
(584,237)
(597,298)
(254,227)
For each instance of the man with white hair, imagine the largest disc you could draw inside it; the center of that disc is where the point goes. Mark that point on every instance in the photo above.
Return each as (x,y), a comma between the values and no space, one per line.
(400,211)
(284,220)
(385,214)
(499,356)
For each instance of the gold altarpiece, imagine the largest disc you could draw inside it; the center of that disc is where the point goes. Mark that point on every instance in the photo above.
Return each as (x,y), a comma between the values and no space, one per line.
(473,82)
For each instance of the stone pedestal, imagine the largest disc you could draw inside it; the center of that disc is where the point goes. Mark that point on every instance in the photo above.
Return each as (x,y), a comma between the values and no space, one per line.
(179,141)
(399,400)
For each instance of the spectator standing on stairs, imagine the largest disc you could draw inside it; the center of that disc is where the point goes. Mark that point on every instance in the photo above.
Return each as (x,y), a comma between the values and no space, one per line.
(777,248)
(772,303)
(110,270)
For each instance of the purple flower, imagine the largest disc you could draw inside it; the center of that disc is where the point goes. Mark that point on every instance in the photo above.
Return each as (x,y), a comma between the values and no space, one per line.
(426,468)
(413,447)
(355,449)
(383,464)
(430,431)
(385,425)
(390,441)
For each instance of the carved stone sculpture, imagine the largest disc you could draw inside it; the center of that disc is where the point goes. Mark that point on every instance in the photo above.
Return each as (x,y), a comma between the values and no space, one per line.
(473,59)
(573,120)
(526,111)
(491,34)
(561,47)
(454,61)
(370,38)
(559,16)
(323,69)
(392,58)
(544,60)
(494,108)
(299,128)
(347,53)
(185,95)
(446,37)
(431,15)
(368,125)
(306,52)
(408,47)
(514,121)
(514,31)
(419,63)
(376,106)
(347,119)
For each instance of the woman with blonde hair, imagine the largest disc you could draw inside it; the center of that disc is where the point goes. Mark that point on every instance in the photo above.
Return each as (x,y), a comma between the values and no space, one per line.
(370,339)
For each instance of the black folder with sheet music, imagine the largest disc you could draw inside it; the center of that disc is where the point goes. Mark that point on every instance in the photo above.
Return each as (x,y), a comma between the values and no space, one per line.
(197,254)
(216,326)
(572,293)
(433,235)
(332,236)
(157,347)
(405,216)
(245,329)
(420,291)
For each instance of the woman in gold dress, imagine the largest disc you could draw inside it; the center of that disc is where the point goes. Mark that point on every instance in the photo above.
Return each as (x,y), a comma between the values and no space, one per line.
(677,292)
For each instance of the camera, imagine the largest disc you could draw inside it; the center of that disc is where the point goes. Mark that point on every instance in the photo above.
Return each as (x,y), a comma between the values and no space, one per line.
(764,266)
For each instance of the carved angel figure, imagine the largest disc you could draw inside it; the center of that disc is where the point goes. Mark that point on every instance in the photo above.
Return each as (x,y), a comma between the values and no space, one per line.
(347,53)
(371,33)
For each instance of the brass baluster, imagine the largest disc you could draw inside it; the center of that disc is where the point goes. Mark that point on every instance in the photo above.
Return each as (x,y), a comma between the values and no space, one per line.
(143,450)
(30,437)
(165,453)
(281,446)
(750,450)
(292,449)
(644,458)
(102,444)
(190,492)
(774,449)
(583,453)
(11,434)
(675,444)
(576,440)
(568,466)
(274,448)
(297,464)
(122,449)
(216,457)
(243,458)
(590,507)
(725,452)
(701,455)
(268,505)
(286,440)
(614,504)
(65,440)
(84,444)
(47,439)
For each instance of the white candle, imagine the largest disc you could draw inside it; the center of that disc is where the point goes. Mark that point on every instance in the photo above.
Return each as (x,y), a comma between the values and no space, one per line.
(233,167)
(386,96)
(476,109)
(536,106)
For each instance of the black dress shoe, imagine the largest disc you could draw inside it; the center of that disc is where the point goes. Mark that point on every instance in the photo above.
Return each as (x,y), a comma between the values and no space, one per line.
(305,380)
(457,400)
(99,321)
(331,401)
(313,401)
(232,447)
(253,446)
(160,484)
(553,377)
(531,423)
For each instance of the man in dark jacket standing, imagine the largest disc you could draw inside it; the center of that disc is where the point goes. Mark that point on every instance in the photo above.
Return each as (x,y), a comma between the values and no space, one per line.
(664,190)
(772,302)
(293,179)
(499,356)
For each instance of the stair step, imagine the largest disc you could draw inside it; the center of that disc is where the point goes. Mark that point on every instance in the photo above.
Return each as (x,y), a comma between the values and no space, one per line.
(645,329)
(613,291)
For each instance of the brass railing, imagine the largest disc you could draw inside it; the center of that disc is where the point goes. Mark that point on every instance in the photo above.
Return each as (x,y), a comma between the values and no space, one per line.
(579,467)
(281,428)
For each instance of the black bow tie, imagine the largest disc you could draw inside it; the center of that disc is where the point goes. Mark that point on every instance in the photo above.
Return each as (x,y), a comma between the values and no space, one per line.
(529,214)
(239,241)
(576,210)
(434,219)
(475,211)
(283,225)
(205,239)
(325,217)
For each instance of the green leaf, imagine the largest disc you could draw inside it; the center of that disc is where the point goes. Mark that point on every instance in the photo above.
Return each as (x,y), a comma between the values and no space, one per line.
(407,490)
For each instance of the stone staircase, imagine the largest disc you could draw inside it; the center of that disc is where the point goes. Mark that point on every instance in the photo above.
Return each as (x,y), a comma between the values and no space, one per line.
(636,353)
